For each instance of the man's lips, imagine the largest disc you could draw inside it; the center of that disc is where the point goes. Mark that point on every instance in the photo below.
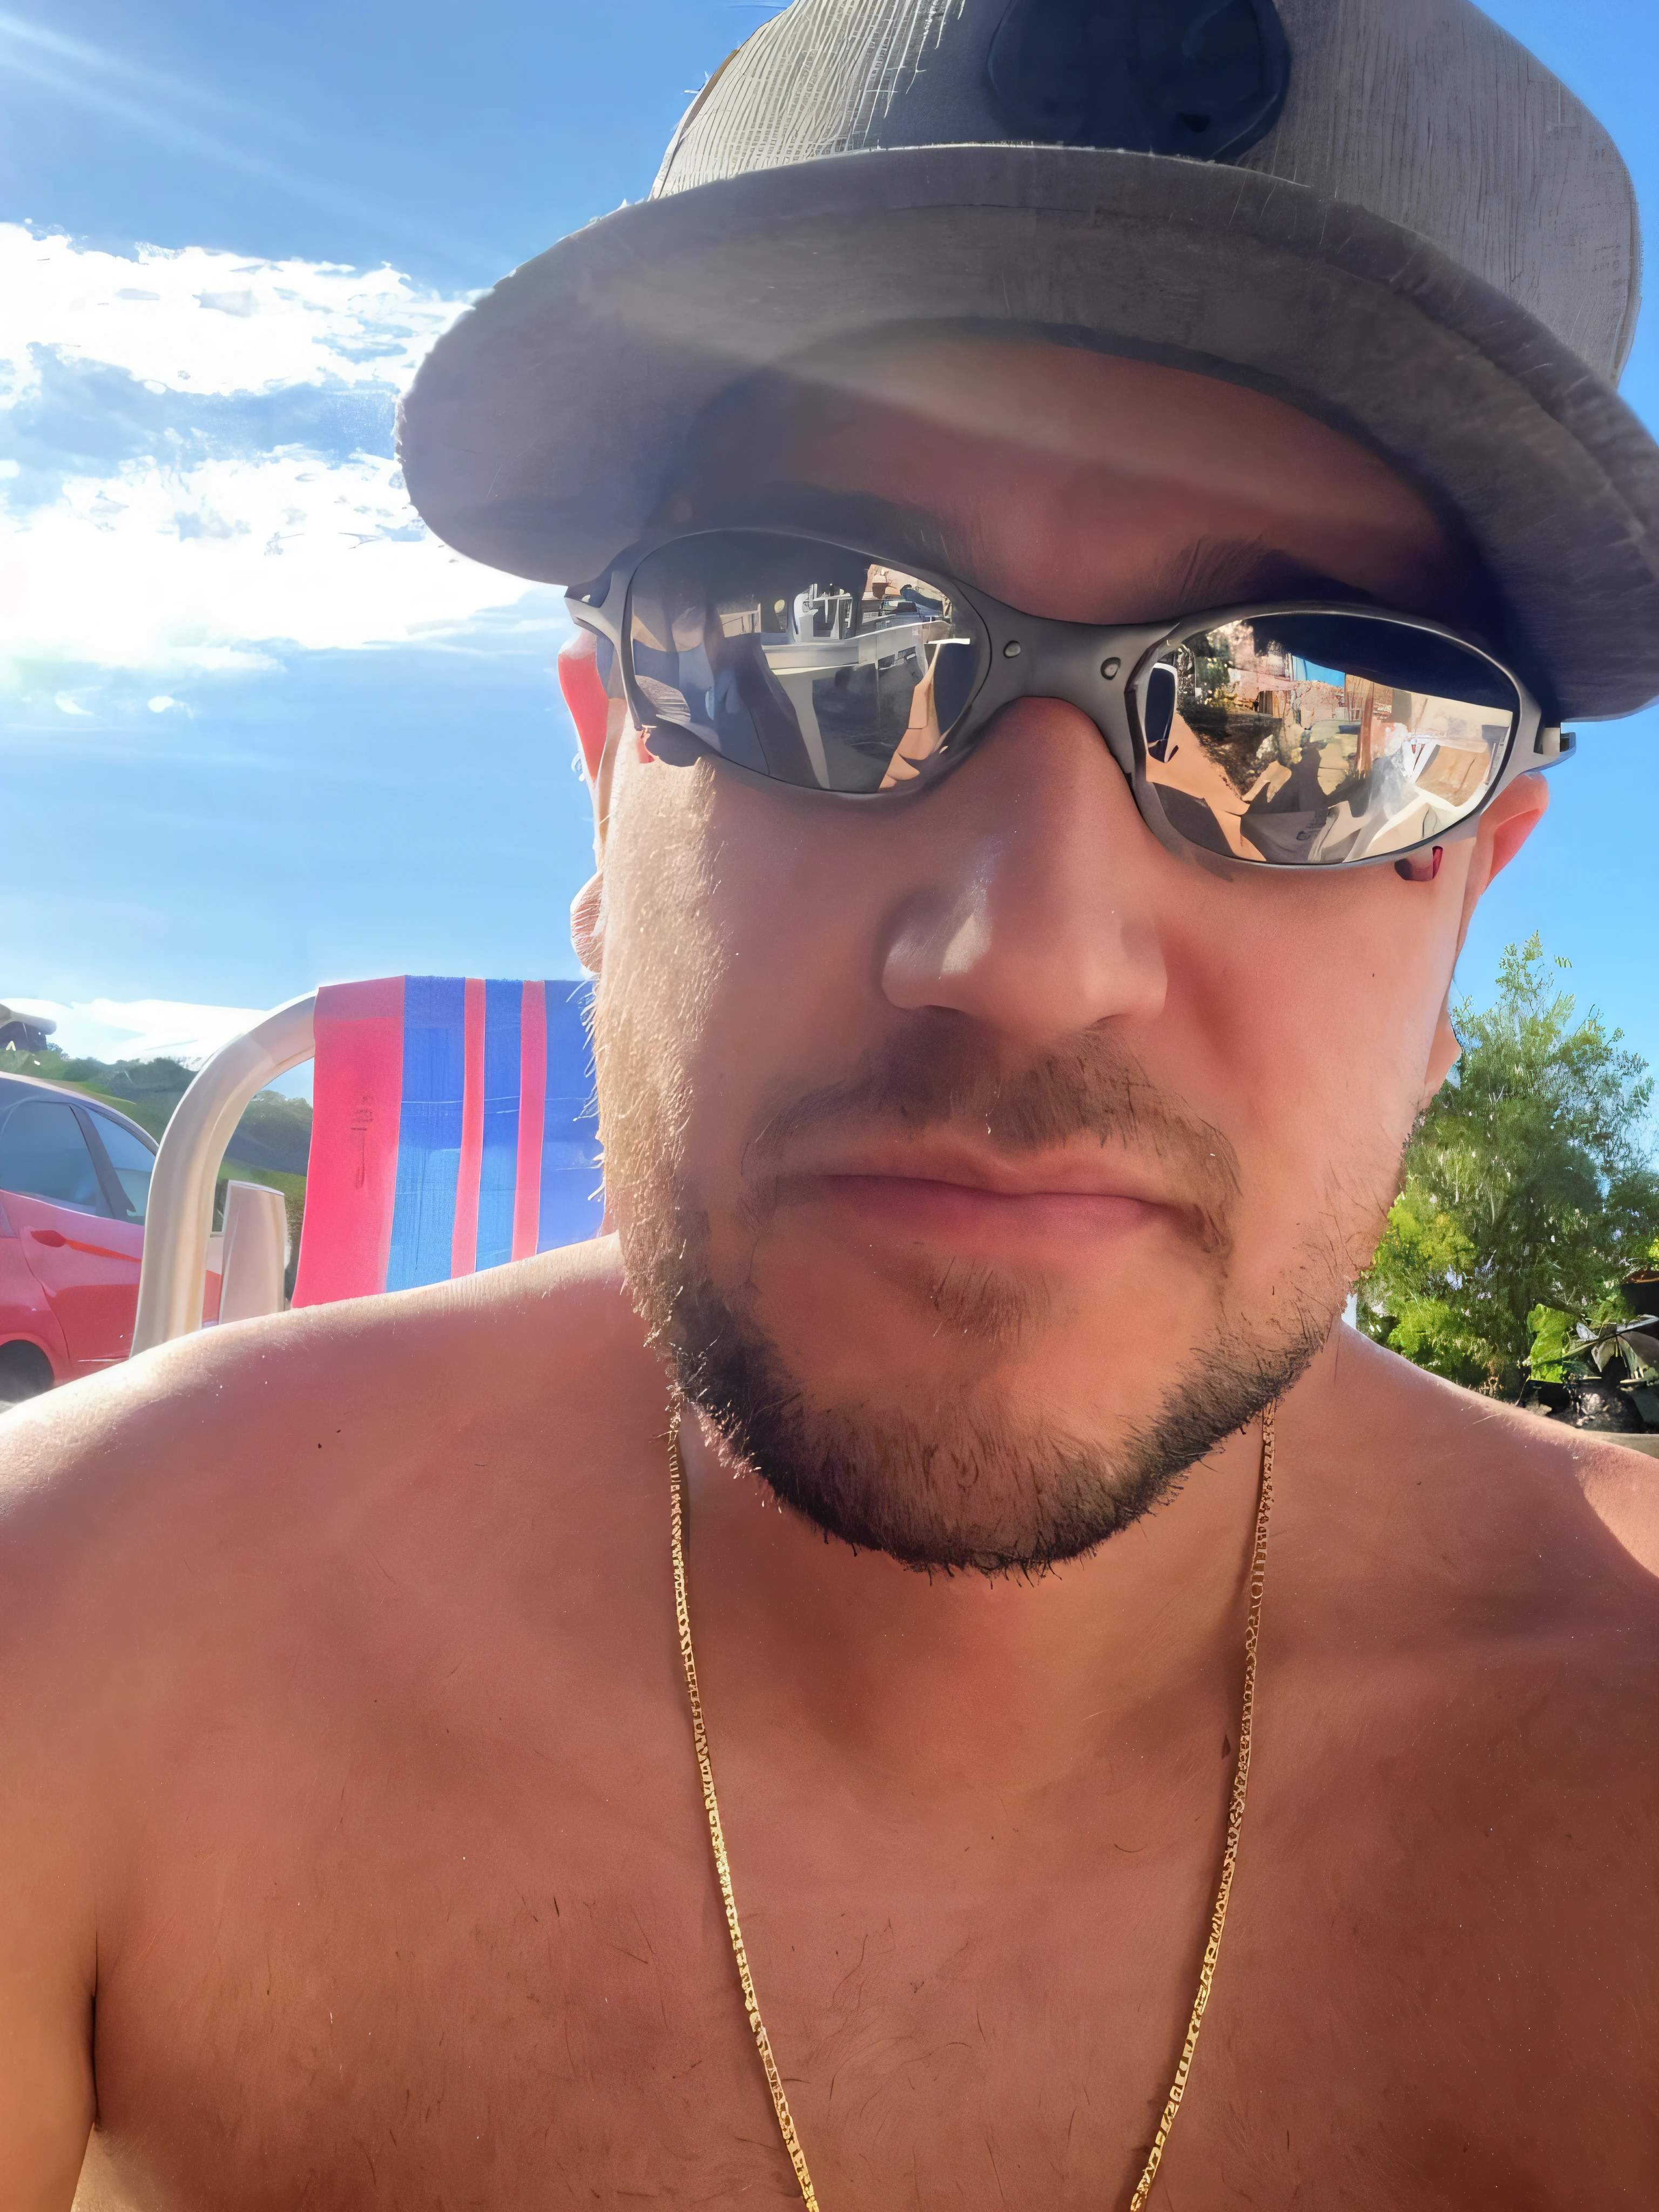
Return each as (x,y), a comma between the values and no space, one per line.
(957,1194)
(958,1212)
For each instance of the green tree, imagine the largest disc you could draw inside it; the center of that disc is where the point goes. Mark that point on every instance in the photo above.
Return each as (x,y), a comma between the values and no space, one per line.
(1526,1185)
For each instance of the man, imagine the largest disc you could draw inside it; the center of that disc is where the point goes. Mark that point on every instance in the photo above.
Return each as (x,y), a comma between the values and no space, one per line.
(991,1140)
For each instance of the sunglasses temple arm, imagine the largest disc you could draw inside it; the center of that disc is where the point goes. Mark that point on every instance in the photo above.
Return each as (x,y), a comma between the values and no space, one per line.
(600,606)
(1550,747)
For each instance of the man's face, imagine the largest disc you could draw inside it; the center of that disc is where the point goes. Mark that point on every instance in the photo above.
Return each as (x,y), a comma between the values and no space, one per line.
(981,1161)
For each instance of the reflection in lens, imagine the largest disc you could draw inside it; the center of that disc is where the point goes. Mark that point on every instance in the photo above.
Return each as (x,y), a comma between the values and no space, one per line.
(1312,739)
(800,660)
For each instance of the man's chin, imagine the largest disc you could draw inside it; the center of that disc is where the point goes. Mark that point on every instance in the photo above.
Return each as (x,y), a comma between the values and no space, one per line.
(972,1477)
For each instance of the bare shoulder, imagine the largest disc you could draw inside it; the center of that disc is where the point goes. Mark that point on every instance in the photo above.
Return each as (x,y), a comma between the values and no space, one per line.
(1466,1645)
(1578,1510)
(244,1571)
(1621,1487)
(159,1485)
(1500,1570)
(1483,1566)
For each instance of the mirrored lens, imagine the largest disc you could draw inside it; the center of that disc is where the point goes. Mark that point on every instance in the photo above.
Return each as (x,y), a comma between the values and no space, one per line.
(1313,739)
(803,661)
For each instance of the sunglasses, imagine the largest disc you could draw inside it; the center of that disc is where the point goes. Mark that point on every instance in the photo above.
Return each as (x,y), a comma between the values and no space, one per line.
(1283,735)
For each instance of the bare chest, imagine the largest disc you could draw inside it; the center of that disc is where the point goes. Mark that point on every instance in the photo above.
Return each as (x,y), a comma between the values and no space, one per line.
(468,1977)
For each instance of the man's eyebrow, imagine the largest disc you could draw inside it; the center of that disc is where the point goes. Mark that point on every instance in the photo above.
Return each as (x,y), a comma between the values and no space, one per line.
(1207,573)
(1214,571)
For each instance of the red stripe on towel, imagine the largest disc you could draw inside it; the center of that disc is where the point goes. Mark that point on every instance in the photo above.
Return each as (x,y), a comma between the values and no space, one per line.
(352,1179)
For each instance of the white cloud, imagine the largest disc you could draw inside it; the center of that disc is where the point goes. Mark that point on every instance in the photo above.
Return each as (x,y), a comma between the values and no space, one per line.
(67,703)
(177,571)
(192,319)
(202,545)
(162,704)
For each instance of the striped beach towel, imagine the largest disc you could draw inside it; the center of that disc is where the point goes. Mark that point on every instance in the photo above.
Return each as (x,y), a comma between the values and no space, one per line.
(453,1130)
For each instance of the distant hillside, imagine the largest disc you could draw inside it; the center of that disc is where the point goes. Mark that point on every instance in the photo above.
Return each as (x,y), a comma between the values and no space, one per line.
(274,1134)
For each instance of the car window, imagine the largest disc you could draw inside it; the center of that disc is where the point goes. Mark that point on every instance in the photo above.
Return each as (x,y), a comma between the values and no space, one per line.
(43,1154)
(132,1159)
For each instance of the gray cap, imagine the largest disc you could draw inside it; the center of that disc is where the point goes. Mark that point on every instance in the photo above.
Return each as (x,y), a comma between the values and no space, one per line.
(1385,212)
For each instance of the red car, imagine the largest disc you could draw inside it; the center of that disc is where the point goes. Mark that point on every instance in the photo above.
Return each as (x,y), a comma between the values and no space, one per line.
(74,1187)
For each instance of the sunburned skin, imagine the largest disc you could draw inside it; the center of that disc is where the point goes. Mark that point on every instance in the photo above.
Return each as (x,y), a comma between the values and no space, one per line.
(353,1850)
(1021,912)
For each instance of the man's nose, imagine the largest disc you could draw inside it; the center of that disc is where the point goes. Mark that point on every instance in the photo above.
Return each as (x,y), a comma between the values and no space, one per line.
(1033,886)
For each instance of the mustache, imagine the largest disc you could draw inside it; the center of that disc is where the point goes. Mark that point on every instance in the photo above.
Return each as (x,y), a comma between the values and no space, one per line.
(940,1072)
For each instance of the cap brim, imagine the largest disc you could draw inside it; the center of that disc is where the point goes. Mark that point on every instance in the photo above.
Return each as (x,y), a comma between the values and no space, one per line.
(536,436)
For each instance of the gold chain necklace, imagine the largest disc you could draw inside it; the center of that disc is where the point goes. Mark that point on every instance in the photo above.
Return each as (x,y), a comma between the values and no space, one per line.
(1228,1857)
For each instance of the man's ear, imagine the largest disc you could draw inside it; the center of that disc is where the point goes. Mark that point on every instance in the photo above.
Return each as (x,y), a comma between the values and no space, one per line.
(1504,829)
(593,712)
(585,696)
(587,923)
(599,719)
(1443,1054)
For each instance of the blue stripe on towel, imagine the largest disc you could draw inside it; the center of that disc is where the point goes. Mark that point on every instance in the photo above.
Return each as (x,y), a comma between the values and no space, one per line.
(429,1130)
(499,1175)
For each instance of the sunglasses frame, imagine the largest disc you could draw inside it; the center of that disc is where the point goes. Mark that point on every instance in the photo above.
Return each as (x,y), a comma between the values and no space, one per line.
(1036,657)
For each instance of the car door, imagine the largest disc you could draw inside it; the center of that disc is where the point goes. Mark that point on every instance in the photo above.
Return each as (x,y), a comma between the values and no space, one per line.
(86,1261)
(126,1161)
(26,1315)
(130,1158)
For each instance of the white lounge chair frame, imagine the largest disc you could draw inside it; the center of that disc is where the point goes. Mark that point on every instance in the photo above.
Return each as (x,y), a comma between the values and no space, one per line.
(179,1216)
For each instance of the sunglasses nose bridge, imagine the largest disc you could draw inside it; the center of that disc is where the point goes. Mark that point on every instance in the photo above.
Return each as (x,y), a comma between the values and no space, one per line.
(1083,666)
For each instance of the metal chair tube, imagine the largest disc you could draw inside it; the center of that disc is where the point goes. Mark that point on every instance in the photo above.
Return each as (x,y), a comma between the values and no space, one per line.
(181,1212)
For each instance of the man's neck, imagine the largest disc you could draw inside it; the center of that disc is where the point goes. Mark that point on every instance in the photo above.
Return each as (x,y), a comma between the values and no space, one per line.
(940,1679)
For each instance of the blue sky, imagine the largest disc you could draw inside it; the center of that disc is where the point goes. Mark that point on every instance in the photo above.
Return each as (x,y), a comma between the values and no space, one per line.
(256,729)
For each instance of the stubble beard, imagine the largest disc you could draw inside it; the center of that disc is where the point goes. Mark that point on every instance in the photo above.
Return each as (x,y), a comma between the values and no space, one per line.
(987,1480)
